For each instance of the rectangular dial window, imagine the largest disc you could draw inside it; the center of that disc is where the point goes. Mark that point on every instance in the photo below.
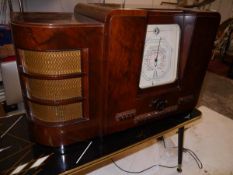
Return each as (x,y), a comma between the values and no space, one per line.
(160,56)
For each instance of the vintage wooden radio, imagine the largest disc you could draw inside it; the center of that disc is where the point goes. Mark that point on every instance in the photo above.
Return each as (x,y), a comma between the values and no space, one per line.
(106,69)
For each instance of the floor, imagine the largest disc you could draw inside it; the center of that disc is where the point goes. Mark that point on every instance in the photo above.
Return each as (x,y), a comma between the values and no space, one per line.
(217,94)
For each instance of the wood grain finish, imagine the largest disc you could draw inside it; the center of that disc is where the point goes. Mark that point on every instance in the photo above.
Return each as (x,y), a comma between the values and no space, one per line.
(39,32)
(112,40)
(124,48)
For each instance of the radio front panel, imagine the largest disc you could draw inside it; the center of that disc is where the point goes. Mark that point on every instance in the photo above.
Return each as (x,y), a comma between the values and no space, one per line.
(105,69)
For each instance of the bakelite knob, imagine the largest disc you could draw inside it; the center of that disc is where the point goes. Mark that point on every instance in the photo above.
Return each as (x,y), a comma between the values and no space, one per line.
(159,104)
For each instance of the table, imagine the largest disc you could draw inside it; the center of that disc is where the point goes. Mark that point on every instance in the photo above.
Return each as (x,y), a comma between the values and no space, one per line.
(28,157)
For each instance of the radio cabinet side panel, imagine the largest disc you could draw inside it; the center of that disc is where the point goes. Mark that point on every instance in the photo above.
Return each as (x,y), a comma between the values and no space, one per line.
(201,29)
(89,40)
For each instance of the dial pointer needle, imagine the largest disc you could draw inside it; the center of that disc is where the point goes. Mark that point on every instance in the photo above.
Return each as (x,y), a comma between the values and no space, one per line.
(156,58)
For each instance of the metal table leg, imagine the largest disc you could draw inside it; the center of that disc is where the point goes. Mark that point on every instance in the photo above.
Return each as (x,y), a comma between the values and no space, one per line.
(180,148)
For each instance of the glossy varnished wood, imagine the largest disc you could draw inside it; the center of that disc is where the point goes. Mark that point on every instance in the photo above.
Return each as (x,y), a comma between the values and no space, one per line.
(113,38)
(62,159)
(42,32)
(124,42)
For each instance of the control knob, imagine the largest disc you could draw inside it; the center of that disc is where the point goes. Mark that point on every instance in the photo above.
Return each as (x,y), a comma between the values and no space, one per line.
(159,104)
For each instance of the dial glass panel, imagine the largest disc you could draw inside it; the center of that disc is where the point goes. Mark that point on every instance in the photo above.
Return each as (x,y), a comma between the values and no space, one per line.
(160,56)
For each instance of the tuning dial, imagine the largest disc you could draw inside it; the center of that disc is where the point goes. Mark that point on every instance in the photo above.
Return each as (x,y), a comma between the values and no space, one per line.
(159,104)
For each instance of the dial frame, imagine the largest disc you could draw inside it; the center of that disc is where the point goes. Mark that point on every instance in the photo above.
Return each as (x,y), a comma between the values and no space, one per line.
(156,69)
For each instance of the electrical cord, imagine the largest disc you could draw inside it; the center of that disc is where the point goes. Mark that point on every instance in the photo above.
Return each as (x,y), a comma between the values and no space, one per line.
(194,156)
(141,171)
(189,151)
(185,150)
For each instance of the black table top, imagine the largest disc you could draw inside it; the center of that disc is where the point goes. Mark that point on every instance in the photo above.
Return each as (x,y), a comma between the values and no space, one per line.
(25,154)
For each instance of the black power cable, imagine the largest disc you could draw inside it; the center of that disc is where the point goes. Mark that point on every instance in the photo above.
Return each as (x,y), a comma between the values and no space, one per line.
(190,152)
(185,150)
(194,156)
(141,171)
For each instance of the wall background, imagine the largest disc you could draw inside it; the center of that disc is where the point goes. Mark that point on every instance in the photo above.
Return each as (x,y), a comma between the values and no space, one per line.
(225,7)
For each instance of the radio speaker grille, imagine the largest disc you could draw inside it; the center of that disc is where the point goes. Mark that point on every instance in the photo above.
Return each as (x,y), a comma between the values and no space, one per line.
(59,113)
(54,89)
(51,62)
(49,91)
